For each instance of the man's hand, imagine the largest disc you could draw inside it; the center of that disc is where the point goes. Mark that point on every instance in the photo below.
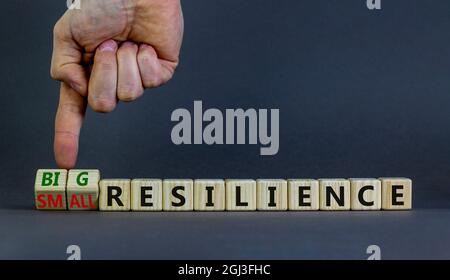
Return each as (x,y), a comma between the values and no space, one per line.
(96,68)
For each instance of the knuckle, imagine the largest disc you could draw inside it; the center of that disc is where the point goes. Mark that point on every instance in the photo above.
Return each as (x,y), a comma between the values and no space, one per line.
(101,105)
(128,94)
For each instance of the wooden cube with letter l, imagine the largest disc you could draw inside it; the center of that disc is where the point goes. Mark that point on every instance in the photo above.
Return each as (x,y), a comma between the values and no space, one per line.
(178,195)
(334,194)
(82,189)
(396,193)
(114,195)
(240,195)
(50,189)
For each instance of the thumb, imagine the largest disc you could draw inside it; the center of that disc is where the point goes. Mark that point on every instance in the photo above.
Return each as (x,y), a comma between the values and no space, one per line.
(67,59)
(69,119)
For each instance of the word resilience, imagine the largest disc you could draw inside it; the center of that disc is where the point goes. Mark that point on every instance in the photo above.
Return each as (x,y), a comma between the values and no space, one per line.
(59,189)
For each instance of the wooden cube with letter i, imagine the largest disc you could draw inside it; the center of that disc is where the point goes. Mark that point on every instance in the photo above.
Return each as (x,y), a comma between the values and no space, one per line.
(50,189)
(82,189)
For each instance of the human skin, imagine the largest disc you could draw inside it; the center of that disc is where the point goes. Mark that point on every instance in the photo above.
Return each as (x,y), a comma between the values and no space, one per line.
(110,50)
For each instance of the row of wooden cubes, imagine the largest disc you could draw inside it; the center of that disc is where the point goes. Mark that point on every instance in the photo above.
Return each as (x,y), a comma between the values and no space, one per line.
(57,189)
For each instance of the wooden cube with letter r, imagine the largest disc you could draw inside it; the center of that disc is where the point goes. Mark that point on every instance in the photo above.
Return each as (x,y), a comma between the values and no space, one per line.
(114,195)
(50,189)
(82,189)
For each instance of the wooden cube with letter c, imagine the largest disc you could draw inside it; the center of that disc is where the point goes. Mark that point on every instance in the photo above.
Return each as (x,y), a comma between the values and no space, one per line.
(366,194)
(82,189)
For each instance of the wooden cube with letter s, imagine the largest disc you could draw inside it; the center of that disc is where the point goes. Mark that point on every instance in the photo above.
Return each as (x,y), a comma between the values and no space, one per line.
(50,189)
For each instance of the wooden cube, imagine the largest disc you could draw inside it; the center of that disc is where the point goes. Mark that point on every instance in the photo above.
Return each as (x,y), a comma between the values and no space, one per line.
(82,189)
(334,194)
(178,195)
(114,195)
(303,194)
(146,195)
(209,195)
(271,195)
(240,195)
(50,189)
(396,193)
(365,194)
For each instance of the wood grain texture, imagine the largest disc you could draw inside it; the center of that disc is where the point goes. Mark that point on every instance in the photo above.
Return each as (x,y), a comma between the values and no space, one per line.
(240,195)
(82,189)
(178,195)
(146,195)
(209,195)
(365,194)
(114,195)
(272,195)
(396,193)
(50,189)
(303,194)
(334,194)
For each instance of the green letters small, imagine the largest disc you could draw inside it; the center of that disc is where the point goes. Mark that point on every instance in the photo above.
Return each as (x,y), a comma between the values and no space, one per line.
(83,181)
(47,179)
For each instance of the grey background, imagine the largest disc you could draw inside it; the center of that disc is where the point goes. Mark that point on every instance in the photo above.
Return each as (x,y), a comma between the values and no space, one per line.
(361,94)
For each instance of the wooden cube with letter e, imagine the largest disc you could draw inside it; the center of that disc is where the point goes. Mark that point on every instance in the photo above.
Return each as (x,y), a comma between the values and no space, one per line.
(397,193)
(146,195)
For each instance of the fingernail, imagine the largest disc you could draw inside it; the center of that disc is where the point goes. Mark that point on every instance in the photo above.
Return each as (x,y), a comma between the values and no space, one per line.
(109,46)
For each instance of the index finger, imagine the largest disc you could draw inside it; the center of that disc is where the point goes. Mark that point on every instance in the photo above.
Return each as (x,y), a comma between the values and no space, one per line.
(68,122)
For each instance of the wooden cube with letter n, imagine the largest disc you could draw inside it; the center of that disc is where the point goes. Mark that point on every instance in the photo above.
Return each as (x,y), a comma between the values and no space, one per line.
(209,195)
(396,193)
(240,195)
(82,189)
(271,194)
(50,189)
(114,195)
(366,194)
(178,195)
(146,195)
(303,194)
(334,194)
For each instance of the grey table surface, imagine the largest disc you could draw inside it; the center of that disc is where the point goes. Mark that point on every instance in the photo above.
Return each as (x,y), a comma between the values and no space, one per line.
(361,94)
